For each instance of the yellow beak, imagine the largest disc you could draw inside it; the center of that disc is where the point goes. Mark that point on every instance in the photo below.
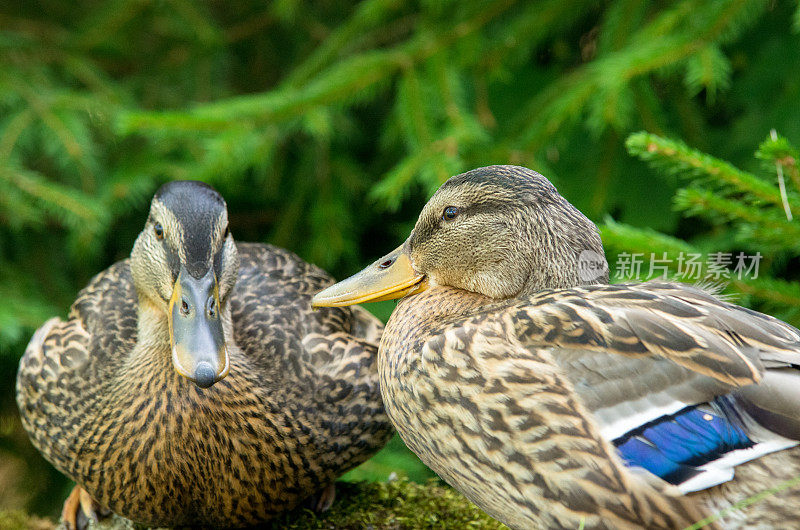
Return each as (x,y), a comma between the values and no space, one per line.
(392,276)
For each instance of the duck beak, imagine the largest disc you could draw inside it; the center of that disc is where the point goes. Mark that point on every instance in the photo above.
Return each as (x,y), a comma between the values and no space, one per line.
(195,329)
(392,276)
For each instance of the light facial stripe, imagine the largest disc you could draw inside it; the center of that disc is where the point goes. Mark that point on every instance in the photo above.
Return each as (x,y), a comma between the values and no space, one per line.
(172,227)
(219,230)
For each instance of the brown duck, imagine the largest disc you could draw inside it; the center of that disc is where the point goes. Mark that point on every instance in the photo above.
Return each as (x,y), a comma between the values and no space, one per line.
(193,385)
(554,400)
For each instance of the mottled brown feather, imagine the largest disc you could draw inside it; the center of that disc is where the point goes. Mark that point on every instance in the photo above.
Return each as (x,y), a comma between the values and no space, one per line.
(498,397)
(300,406)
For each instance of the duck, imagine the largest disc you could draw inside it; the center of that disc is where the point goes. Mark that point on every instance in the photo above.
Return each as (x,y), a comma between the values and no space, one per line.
(193,385)
(553,399)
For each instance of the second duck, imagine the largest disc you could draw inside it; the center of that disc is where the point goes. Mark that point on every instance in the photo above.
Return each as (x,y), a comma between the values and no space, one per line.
(554,400)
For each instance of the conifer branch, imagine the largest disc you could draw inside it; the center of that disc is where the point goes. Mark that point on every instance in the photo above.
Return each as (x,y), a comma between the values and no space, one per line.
(727,196)
(696,201)
(677,158)
(620,236)
(345,80)
(71,206)
(654,48)
(368,15)
(779,151)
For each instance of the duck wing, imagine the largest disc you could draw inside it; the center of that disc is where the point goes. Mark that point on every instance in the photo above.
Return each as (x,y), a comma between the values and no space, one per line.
(274,322)
(325,358)
(600,405)
(65,361)
(686,386)
(498,418)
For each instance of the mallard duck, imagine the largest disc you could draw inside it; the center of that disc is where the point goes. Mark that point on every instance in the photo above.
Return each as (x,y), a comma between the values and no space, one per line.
(193,385)
(552,399)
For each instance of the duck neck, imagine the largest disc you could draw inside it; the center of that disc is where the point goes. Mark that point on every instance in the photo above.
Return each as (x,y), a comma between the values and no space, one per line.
(149,363)
(152,326)
(419,314)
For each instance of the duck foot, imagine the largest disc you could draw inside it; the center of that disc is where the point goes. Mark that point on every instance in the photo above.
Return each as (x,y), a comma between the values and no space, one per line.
(322,500)
(80,508)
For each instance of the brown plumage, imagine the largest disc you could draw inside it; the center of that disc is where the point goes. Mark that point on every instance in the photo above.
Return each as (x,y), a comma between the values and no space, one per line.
(522,380)
(102,398)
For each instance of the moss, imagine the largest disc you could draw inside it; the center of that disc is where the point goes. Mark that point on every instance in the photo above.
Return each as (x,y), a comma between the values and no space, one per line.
(393,505)
(16,520)
(396,505)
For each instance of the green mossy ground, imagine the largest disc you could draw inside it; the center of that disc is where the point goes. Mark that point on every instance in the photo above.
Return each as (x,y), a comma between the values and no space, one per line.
(396,505)
(17,520)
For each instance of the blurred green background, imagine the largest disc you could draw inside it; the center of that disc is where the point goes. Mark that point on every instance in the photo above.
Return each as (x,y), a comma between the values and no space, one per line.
(327,124)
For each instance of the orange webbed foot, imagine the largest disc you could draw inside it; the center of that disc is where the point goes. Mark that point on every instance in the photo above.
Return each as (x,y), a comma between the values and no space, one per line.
(79,509)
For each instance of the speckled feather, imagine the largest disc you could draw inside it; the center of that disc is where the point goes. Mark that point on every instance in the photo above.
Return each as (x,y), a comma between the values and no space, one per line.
(300,406)
(500,398)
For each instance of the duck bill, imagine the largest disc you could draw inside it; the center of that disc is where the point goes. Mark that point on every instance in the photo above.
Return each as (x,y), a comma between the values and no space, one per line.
(390,277)
(195,329)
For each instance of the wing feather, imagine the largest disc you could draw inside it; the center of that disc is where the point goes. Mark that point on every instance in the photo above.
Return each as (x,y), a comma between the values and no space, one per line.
(686,326)
(511,415)
(638,354)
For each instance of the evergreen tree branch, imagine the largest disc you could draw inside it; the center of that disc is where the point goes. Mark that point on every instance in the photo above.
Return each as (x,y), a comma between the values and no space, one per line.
(779,151)
(12,131)
(677,158)
(654,48)
(346,80)
(773,290)
(770,223)
(369,15)
(623,238)
(537,22)
(73,207)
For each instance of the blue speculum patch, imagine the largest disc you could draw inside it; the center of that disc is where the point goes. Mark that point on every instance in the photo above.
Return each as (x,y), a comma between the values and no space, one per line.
(674,446)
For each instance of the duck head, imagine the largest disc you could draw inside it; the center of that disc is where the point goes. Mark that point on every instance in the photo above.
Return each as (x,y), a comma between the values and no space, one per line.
(500,231)
(184,266)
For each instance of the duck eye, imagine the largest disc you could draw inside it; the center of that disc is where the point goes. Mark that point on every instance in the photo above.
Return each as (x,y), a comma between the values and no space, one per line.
(450,213)
(159,230)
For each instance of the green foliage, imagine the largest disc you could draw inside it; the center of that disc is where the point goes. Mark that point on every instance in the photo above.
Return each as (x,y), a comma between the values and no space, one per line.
(744,213)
